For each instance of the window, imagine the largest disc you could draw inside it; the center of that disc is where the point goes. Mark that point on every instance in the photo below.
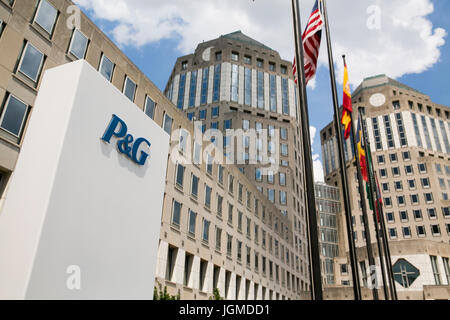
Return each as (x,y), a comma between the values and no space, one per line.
(46,16)
(216,82)
(260,89)
(192,89)
(282,179)
(412,184)
(229,244)
(2,25)
(218,55)
(401,129)
(390,217)
(284,150)
(393,157)
(247,86)
(435,230)
(273,93)
(428,197)
(106,68)
(393,233)
(398,186)
(220,174)
(259,63)
(205,235)
(421,231)
(417,214)
(406,232)
(283,198)
(129,88)
(395,171)
(215,111)
(380,159)
(202,115)
(176,213)
(409,170)
(218,239)
(247,59)
(167,125)
(425,183)
(180,176)
(432,213)
(219,205)
(31,62)
(150,107)
(385,187)
(405,273)
(389,134)
(204,92)
(184,65)
(194,186)
(417,130)
(446,212)
(234,83)
(13,116)
(192,221)
(422,168)
(406,155)
(414,199)
(230,213)
(239,250)
(181,89)
(401,200)
(207,196)
(445,262)
(435,267)
(271,195)
(78,45)
(227,124)
(235,56)
(383,173)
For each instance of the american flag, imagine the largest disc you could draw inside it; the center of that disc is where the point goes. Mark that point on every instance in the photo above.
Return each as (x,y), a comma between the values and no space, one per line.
(311,43)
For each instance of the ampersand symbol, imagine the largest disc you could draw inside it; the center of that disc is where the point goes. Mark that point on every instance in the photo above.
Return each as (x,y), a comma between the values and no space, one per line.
(124,145)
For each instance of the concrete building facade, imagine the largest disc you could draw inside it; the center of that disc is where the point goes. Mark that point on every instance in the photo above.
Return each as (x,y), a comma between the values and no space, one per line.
(237,83)
(409,139)
(217,229)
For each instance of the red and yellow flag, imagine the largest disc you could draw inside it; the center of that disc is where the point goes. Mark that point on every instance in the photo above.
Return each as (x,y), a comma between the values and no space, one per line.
(347,107)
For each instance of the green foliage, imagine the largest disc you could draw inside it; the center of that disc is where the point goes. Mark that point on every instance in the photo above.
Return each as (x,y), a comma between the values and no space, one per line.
(216,294)
(162,294)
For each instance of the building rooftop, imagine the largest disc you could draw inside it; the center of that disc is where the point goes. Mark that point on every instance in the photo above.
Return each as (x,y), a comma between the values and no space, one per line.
(239,36)
(381,80)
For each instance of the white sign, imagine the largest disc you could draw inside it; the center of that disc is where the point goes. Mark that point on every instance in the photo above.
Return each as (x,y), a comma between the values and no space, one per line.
(82,215)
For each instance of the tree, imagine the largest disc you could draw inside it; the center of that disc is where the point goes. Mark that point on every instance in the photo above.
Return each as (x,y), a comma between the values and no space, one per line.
(163,294)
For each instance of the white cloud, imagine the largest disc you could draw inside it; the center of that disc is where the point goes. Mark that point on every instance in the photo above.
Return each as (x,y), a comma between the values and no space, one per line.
(317,164)
(406,43)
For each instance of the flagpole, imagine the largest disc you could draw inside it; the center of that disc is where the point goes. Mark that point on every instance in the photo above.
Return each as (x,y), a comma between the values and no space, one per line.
(383,234)
(344,181)
(313,234)
(363,203)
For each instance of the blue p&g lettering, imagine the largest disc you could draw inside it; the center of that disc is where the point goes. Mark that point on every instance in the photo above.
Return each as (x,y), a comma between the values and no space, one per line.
(126,143)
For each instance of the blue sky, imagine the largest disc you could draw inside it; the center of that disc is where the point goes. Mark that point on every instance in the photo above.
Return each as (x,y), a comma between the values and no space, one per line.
(402,50)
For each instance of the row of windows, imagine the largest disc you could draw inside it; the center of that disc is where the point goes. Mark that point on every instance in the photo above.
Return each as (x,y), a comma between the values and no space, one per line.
(234,89)
(259,235)
(414,198)
(281,276)
(247,59)
(31,61)
(409,170)
(421,231)
(207,201)
(429,110)
(417,214)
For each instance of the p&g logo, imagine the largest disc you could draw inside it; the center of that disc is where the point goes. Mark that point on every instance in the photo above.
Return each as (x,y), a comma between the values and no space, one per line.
(126,143)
